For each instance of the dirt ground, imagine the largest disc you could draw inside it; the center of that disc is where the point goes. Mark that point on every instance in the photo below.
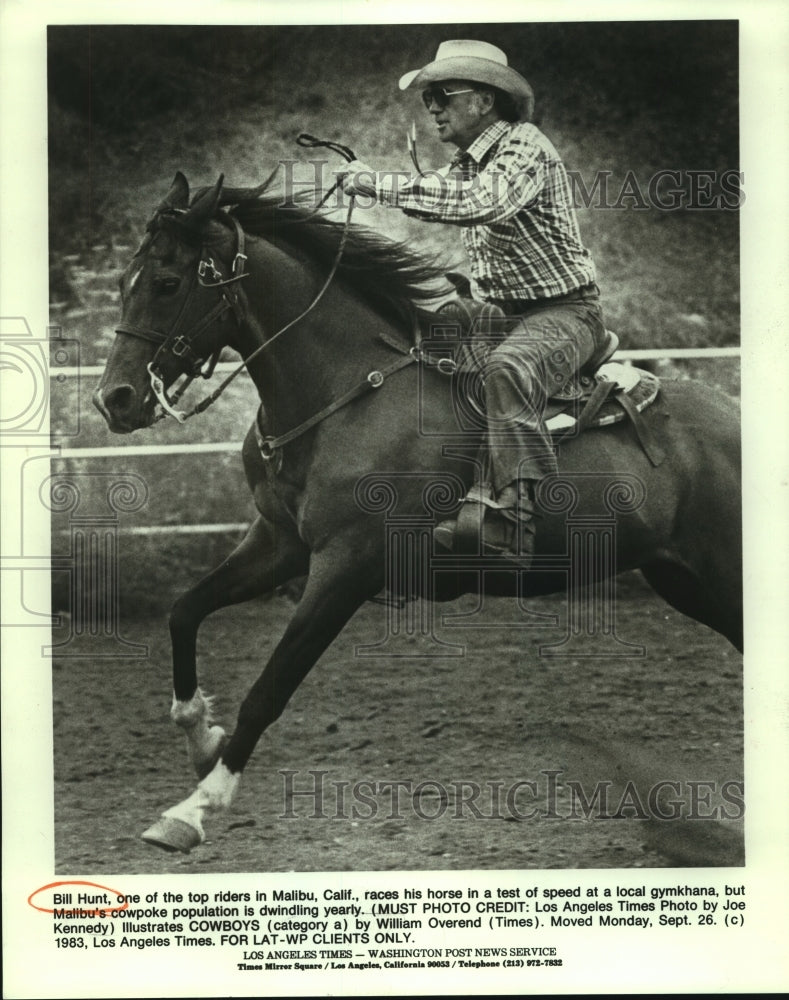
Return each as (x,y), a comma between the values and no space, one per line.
(523,731)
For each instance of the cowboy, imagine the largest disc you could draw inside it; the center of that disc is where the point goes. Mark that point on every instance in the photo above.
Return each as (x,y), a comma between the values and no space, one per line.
(508,191)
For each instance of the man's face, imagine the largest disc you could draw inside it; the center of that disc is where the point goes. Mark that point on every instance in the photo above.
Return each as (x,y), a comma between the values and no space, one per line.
(465,116)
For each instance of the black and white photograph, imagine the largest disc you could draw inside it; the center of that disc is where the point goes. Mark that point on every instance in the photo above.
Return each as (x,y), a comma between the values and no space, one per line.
(393,477)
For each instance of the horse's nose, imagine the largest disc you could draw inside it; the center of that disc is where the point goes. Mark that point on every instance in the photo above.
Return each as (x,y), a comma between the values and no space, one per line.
(115,403)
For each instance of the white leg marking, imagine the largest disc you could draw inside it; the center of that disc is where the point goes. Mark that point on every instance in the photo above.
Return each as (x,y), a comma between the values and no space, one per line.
(219,788)
(190,713)
(213,794)
(203,740)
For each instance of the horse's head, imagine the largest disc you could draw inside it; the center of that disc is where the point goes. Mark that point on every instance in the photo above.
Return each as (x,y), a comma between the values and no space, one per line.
(176,295)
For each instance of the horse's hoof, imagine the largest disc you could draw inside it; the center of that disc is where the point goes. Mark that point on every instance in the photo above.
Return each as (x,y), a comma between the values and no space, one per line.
(172,835)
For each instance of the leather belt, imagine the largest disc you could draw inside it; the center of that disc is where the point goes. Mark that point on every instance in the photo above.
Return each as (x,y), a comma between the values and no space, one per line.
(517,307)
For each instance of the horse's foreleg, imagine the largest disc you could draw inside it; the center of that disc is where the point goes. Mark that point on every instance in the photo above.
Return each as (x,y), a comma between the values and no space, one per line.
(204,740)
(334,591)
(181,827)
(256,567)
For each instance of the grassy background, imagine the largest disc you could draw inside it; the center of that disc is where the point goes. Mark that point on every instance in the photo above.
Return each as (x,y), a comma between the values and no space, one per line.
(128,106)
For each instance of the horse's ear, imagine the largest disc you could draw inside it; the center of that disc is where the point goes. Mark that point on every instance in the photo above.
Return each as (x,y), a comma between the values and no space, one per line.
(204,206)
(178,195)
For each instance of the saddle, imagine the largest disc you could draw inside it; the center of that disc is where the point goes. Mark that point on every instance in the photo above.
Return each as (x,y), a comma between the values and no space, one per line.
(601,393)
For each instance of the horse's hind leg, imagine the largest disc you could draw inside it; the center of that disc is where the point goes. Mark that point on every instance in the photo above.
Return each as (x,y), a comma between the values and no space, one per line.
(715,602)
(698,569)
(256,567)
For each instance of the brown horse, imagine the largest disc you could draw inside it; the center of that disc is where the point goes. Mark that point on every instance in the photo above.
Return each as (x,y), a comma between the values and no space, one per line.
(332,364)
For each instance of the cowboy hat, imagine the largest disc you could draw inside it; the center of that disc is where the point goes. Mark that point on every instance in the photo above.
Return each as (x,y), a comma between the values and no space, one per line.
(479,62)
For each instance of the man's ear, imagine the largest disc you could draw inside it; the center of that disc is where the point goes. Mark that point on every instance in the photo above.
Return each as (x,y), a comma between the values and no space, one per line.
(488,99)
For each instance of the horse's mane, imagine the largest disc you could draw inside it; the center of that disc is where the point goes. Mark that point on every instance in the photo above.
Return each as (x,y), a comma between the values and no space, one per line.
(387,274)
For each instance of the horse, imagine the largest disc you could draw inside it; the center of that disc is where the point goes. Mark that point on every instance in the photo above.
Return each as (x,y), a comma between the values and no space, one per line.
(325,316)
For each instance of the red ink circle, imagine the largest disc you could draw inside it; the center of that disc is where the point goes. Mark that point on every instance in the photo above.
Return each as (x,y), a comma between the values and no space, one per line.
(96,885)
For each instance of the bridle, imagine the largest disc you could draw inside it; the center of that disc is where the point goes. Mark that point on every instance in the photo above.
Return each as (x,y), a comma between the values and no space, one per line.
(181,344)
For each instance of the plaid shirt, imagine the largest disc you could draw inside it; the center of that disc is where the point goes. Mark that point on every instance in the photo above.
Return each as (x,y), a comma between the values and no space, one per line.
(510,193)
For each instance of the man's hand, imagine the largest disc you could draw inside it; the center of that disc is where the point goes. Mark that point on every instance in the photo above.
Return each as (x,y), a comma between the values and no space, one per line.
(357,178)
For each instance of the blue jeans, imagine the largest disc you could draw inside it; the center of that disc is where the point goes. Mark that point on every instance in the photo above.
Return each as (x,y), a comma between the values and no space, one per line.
(551,341)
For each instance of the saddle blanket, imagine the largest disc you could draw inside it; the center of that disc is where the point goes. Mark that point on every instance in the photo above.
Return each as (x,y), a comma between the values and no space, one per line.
(639,386)
(608,391)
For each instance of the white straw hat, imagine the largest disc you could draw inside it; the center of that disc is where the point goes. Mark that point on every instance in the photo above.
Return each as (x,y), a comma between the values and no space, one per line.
(479,62)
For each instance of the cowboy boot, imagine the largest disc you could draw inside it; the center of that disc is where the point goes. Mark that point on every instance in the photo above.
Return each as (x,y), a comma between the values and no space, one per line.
(508,528)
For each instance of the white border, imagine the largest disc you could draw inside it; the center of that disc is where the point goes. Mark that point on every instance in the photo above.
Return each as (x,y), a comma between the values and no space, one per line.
(757,959)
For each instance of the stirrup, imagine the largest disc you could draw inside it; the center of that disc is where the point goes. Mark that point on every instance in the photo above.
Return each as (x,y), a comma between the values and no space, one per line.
(485,527)
(518,543)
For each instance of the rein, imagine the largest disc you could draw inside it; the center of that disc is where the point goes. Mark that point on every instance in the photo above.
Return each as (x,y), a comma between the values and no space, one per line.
(180,344)
(208,276)
(212,398)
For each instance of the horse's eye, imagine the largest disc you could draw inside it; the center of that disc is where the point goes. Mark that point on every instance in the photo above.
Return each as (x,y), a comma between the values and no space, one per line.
(167,286)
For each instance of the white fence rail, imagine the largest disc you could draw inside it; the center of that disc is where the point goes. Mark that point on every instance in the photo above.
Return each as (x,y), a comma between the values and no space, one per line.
(95,371)
(647,354)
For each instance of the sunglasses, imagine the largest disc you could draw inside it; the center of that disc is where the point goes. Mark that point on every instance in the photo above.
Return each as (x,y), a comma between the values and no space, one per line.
(441,96)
